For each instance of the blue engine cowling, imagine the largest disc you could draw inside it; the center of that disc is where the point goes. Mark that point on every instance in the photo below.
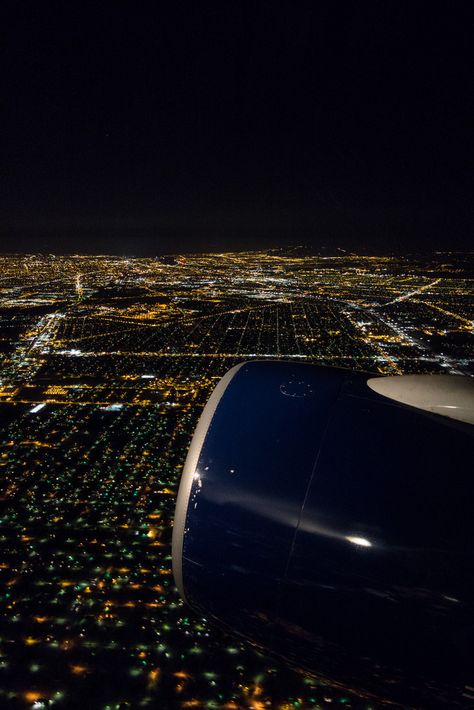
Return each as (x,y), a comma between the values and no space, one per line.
(333,527)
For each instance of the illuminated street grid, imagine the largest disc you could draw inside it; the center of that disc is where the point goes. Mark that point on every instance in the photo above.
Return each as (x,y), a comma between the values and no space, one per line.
(106,364)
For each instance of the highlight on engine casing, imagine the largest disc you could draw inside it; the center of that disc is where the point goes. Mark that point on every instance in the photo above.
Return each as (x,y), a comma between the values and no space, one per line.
(332,525)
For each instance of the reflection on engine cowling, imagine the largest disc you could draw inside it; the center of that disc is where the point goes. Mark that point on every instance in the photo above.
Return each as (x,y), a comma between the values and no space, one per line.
(333,527)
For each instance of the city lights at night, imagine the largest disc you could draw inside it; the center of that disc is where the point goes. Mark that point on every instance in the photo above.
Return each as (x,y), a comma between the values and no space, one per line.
(263,211)
(101,389)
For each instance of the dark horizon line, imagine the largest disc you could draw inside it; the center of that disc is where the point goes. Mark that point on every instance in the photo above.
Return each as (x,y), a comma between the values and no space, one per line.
(311,252)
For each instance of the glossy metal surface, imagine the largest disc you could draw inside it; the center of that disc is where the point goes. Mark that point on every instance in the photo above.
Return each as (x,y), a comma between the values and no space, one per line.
(248,489)
(380,589)
(448,395)
(334,527)
(189,472)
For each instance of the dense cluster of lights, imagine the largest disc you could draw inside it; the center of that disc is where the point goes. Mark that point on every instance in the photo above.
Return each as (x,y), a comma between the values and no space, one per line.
(106,363)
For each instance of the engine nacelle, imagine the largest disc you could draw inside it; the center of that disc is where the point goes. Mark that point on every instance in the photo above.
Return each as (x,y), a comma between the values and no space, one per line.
(328,517)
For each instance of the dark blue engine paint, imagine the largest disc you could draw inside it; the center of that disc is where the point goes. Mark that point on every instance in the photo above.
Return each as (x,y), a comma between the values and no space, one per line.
(298,463)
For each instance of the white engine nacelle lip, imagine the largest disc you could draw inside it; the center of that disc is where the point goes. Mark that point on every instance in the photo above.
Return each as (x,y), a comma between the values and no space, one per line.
(187,476)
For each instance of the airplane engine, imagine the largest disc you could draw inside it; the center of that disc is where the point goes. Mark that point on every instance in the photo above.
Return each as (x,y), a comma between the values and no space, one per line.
(327,516)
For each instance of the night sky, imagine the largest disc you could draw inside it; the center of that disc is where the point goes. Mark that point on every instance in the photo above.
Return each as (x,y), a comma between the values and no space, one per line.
(236,124)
